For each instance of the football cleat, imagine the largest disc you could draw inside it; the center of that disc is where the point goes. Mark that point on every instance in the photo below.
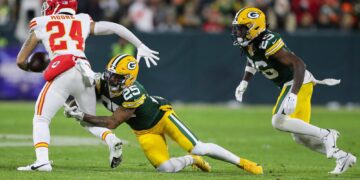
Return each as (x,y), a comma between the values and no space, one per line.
(344,163)
(37,166)
(115,148)
(251,167)
(200,163)
(330,142)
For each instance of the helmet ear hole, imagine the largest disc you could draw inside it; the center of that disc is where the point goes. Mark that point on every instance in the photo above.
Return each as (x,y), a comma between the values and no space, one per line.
(257,28)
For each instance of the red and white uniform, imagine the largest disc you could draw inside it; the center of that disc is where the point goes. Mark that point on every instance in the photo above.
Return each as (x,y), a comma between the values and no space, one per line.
(62,34)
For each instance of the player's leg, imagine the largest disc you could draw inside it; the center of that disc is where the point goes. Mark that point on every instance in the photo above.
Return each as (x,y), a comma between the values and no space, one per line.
(325,143)
(50,100)
(303,112)
(155,149)
(86,100)
(181,134)
(301,126)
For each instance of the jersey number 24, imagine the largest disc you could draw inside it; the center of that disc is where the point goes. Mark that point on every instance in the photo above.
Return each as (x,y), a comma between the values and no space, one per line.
(55,41)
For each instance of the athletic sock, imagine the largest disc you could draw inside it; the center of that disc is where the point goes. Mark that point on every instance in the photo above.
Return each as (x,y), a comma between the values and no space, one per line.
(339,154)
(41,137)
(300,127)
(176,164)
(215,151)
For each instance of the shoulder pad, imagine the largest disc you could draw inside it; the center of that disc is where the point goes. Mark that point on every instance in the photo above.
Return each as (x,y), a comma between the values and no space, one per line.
(85,16)
(271,43)
(134,96)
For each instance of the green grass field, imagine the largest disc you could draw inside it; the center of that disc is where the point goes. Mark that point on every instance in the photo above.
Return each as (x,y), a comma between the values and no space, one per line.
(246,131)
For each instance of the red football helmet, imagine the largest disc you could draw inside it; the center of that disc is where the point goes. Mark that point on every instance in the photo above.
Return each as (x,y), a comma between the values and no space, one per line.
(51,7)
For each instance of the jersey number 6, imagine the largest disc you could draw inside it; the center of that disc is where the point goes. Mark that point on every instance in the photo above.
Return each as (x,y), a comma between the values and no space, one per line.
(75,34)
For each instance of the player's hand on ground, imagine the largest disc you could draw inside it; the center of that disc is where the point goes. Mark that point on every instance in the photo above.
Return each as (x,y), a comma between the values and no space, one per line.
(240,90)
(149,55)
(290,103)
(73,112)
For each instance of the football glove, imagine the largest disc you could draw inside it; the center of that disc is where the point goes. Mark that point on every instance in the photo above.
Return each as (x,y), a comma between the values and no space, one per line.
(290,103)
(73,112)
(240,90)
(148,54)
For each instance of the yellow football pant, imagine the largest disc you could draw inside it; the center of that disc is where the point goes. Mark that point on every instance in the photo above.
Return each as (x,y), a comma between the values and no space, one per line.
(303,106)
(153,141)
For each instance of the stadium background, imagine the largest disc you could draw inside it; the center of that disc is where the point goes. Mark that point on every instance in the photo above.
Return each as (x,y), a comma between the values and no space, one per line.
(198,62)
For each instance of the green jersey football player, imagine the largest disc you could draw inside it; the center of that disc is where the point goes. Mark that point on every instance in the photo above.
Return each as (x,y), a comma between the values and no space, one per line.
(151,118)
(267,53)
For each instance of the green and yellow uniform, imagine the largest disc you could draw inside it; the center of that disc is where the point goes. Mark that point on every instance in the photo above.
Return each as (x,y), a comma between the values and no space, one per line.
(259,55)
(152,119)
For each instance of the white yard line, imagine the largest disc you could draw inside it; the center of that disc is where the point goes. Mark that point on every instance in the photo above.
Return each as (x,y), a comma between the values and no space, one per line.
(26,140)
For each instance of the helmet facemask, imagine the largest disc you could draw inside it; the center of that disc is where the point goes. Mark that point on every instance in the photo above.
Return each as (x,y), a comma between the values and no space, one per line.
(240,34)
(116,82)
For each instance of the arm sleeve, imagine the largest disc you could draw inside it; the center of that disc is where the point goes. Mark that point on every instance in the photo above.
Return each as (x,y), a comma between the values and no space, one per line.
(106,28)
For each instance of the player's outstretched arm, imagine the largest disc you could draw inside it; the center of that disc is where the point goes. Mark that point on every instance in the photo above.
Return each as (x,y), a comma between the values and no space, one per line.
(26,49)
(106,28)
(112,122)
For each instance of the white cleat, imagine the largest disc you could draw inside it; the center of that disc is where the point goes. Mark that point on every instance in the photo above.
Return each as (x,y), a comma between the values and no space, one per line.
(115,148)
(37,166)
(344,163)
(330,142)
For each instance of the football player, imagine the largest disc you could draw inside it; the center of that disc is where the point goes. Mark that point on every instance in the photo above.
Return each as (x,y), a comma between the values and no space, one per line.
(266,52)
(151,118)
(63,33)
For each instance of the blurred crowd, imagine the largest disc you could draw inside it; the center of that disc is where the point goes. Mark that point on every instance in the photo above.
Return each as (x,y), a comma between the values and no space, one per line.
(212,16)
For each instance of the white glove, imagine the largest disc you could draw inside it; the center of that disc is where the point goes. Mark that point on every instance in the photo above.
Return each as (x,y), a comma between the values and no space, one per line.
(88,75)
(147,54)
(290,103)
(73,112)
(240,90)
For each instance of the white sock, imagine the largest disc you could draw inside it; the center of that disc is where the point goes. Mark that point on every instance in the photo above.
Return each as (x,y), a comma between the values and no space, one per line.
(42,154)
(215,151)
(99,132)
(313,143)
(293,125)
(41,138)
(339,154)
(176,164)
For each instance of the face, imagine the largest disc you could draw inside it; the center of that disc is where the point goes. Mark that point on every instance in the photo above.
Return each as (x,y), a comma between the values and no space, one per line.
(240,32)
(116,81)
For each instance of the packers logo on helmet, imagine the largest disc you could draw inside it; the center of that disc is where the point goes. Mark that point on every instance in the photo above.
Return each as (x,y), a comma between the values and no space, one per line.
(247,25)
(121,72)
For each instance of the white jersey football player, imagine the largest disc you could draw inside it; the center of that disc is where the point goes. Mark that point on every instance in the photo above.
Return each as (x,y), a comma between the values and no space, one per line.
(63,33)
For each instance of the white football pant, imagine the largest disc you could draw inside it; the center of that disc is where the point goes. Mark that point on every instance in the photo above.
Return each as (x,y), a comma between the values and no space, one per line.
(51,99)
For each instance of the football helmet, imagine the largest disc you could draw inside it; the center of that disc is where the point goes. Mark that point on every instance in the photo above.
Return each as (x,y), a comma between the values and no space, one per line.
(247,25)
(121,72)
(51,7)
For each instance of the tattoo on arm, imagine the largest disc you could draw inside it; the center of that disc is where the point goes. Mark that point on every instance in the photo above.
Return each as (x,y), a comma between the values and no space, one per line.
(26,49)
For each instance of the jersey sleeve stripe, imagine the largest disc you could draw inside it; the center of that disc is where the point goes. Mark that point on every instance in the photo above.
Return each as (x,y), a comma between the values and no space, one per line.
(32,24)
(273,49)
(135,103)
